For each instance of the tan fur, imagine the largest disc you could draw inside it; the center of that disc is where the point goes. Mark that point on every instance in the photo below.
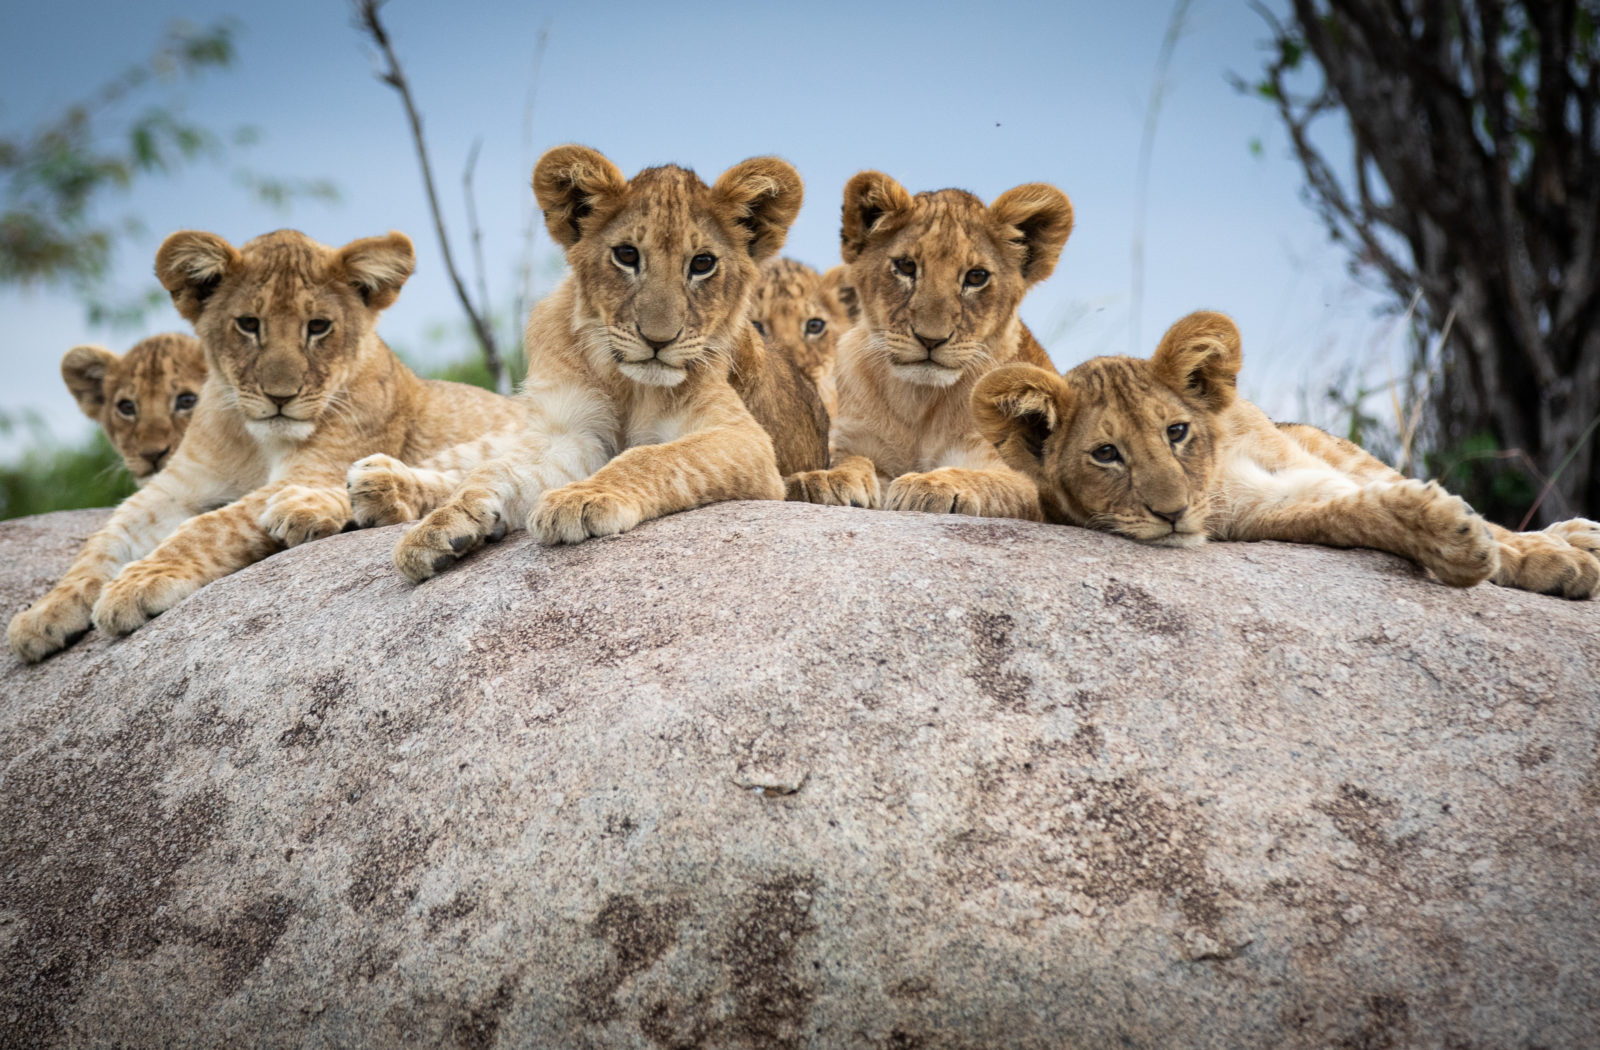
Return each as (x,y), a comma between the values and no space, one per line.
(930,327)
(630,413)
(1164,451)
(143,399)
(284,412)
(803,313)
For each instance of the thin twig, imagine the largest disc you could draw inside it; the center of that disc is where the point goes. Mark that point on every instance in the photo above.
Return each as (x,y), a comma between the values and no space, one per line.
(368,20)
(1147,143)
(502,379)
(1549,484)
(526,292)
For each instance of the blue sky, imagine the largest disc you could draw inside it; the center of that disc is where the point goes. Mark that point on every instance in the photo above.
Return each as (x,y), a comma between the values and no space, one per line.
(982,97)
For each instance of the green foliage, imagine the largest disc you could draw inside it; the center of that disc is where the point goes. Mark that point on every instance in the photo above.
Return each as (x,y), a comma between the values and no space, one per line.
(63,477)
(1484,474)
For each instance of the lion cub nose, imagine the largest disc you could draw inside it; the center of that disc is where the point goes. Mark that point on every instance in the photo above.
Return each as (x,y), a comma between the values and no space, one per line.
(154,458)
(1169,516)
(931,343)
(281,399)
(659,344)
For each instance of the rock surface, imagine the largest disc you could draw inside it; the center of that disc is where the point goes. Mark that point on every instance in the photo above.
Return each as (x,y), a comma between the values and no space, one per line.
(788,776)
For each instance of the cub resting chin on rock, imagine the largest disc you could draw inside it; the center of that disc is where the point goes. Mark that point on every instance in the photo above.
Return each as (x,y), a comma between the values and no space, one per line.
(1164,451)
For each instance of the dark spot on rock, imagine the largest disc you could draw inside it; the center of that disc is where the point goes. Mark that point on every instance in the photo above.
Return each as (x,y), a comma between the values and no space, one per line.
(457,907)
(1361,817)
(911,988)
(324,692)
(477,1028)
(1387,1025)
(1535,755)
(243,940)
(984,533)
(770,1000)
(638,934)
(991,645)
(899,1039)
(1088,741)
(382,865)
(1137,608)
(619,825)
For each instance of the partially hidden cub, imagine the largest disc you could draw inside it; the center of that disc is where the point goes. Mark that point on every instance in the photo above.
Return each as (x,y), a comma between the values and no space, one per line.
(142,399)
(802,313)
(1164,451)
(938,278)
(630,411)
(300,386)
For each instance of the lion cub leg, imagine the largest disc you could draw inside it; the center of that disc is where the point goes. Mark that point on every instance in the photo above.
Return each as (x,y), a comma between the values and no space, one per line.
(385,491)
(62,616)
(852,481)
(1562,560)
(996,493)
(1414,519)
(648,481)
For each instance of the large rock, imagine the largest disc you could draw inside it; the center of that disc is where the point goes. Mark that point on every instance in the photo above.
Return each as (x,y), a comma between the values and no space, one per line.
(776,776)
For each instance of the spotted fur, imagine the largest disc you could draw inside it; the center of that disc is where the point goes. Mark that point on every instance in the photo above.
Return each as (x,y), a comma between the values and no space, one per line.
(142,399)
(930,328)
(1164,451)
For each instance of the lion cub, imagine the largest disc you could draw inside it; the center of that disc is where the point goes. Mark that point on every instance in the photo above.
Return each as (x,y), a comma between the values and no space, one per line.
(629,411)
(300,386)
(803,313)
(1163,451)
(938,278)
(142,399)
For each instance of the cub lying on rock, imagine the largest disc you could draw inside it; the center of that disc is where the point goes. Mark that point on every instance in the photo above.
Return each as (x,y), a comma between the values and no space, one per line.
(1164,451)
(142,399)
(300,386)
(629,411)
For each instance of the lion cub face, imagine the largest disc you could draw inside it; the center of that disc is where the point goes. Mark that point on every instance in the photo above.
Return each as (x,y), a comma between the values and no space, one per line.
(664,264)
(284,319)
(939,276)
(803,311)
(1119,444)
(143,399)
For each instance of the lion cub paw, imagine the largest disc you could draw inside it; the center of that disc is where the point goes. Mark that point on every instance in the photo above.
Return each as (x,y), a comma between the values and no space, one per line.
(298,514)
(1562,561)
(843,486)
(1450,538)
(576,512)
(53,623)
(138,595)
(446,535)
(383,491)
(931,493)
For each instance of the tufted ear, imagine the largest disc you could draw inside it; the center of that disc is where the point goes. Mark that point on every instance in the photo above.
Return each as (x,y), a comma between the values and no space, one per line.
(190,264)
(570,182)
(377,267)
(763,196)
(872,202)
(836,283)
(1200,358)
(1017,407)
(84,368)
(1041,215)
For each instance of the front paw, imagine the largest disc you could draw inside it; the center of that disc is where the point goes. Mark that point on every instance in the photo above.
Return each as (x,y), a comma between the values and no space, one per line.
(383,491)
(1560,561)
(297,514)
(137,596)
(932,494)
(53,623)
(843,486)
(574,513)
(447,534)
(1453,541)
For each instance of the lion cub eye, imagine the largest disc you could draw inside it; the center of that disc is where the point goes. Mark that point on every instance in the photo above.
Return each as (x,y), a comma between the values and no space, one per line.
(1106,454)
(318,326)
(184,401)
(1177,432)
(761,328)
(127,408)
(815,326)
(248,325)
(702,264)
(626,255)
(975,279)
(905,267)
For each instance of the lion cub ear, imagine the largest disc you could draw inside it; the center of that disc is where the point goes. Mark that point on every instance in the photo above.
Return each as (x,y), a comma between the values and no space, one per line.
(377,267)
(872,203)
(84,368)
(1017,408)
(1041,215)
(836,285)
(763,196)
(190,264)
(1200,358)
(570,182)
